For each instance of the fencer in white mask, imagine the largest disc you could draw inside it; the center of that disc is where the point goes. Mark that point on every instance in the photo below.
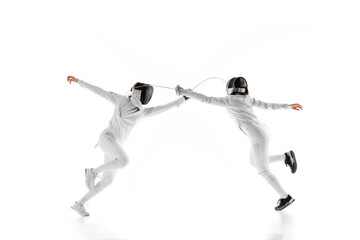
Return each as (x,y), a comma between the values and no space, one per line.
(239,106)
(127,112)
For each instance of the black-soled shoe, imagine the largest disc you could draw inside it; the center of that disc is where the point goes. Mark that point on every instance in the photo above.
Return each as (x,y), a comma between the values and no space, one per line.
(290,161)
(284,202)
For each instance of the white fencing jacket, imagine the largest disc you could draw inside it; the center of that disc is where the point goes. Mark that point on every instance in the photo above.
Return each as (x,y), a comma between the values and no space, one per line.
(239,107)
(126,114)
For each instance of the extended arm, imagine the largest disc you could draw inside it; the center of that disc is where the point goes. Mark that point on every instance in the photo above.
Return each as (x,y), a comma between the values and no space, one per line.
(110,96)
(160,109)
(218,101)
(272,106)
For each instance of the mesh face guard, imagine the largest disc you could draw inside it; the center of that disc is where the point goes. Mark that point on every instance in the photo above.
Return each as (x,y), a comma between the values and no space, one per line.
(146,92)
(236,85)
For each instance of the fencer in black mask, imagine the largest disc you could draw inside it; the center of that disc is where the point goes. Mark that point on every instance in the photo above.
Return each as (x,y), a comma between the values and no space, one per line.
(128,110)
(240,107)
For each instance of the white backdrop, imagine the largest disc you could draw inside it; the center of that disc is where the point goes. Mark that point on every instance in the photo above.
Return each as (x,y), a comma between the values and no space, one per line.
(189,175)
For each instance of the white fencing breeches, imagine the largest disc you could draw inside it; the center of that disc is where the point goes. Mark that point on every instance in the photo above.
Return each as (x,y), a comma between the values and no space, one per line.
(113,151)
(259,155)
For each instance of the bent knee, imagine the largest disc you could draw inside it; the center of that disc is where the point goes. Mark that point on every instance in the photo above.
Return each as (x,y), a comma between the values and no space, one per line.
(122,162)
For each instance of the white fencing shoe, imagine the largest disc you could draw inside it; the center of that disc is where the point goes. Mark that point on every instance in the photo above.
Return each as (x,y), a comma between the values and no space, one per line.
(80,209)
(90,177)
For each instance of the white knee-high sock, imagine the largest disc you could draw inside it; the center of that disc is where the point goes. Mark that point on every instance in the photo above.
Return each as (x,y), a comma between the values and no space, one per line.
(101,185)
(274,182)
(277,158)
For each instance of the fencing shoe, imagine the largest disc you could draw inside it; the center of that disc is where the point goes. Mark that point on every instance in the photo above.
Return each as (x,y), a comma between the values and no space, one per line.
(80,209)
(290,161)
(284,202)
(90,177)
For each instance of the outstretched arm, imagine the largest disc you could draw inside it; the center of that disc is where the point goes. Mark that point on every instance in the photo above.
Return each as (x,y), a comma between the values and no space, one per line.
(110,96)
(162,108)
(218,101)
(274,106)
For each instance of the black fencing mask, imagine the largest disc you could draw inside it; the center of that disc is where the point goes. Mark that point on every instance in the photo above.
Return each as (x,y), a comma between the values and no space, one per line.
(237,85)
(146,92)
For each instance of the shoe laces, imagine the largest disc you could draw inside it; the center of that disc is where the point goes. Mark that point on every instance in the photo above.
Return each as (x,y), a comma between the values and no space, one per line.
(281,201)
(84,206)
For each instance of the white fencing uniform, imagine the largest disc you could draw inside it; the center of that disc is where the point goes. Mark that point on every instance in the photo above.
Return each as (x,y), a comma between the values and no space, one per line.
(127,113)
(240,109)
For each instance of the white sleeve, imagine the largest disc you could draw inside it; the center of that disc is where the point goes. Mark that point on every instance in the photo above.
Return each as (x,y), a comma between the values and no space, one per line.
(272,106)
(218,101)
(110,96)
(160,109)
